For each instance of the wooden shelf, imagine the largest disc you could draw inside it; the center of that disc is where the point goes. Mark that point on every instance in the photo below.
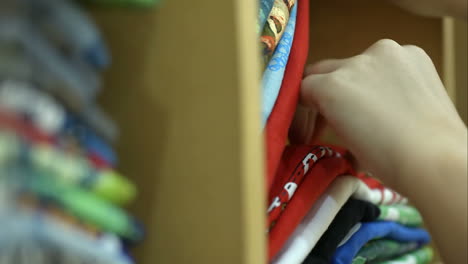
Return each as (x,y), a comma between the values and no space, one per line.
(184,90)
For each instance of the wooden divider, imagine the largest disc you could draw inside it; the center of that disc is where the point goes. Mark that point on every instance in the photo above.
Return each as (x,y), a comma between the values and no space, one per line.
(183,87)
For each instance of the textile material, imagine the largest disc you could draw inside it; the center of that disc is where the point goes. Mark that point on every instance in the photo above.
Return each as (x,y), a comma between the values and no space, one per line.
(48,116)
(353,211)
(281,117)
(421,256)
(384,194)
(55,234)
(297,163)
(351,232)
(319,218)
(403,214)
(369,231)
(26,131)
(303,175)
(85,136)
(382,249)
(64,167)
(378,194)
(274,72)
(275,27)
(81,204)
(263,12)
(41,109)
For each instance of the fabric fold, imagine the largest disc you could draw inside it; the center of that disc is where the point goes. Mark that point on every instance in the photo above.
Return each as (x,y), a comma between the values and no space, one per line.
(373,230)
(263,12)
(403,214)
(421,256)
(278,123)
(353,212)
(274,72)
(275,27)
(303,176)
(323,212)
(382,250)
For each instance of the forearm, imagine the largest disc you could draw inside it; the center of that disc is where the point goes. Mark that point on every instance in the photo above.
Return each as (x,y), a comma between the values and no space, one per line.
(438,187)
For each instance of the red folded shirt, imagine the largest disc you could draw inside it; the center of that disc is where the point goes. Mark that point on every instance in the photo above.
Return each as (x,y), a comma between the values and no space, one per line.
(304,174)
(298,167)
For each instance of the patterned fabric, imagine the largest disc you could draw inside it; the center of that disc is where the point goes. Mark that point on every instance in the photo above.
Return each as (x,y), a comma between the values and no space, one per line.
(421,256)
(273,75)
(403,214)
(378,195)
(318,219)
(275,27)
(263,12)
(296,172)
(303,176)
(48,116)
(65,167)
(380,250)
(384,195)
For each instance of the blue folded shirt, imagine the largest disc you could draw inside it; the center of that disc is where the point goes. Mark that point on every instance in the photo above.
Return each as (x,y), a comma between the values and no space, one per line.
(375,230)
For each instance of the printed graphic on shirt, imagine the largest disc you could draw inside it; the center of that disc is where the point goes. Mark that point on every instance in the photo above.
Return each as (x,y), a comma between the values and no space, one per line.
(279,202)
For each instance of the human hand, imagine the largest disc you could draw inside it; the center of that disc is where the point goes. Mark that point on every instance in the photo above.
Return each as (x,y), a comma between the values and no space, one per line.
(437,8)
(388,105)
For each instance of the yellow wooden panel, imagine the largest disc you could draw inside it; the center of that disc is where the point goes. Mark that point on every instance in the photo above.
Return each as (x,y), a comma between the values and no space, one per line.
(183,87)
(448,56)
(461,68)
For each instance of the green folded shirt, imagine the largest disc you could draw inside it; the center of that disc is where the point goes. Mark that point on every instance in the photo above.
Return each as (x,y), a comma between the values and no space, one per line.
(420,256)
(403,214)
(383,249)
(81,204)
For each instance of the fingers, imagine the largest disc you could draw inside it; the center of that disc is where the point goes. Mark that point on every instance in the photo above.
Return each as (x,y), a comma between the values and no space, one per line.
(325,66)
(303,125)
(307,126)
(331,65)
(320,125)
(315,90)
(384,46)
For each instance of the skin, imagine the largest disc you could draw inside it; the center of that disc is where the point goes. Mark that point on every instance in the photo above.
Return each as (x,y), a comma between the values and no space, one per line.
(390,108)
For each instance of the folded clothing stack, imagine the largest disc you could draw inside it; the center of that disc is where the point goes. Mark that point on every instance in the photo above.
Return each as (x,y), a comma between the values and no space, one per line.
(61,195)
(319,214)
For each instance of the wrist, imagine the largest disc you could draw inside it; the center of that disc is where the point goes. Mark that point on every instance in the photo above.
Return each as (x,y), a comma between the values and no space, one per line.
(437,155)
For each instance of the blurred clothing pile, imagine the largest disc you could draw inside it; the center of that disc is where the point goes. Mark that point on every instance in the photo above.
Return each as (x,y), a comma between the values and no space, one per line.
(60,196)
